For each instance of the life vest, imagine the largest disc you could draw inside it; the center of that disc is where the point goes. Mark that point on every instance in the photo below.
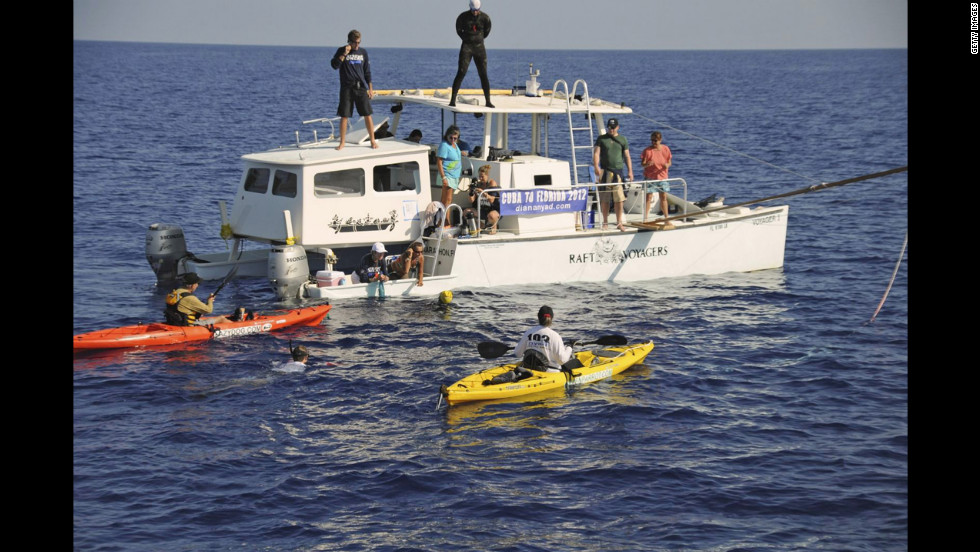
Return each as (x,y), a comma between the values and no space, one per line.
(174,316)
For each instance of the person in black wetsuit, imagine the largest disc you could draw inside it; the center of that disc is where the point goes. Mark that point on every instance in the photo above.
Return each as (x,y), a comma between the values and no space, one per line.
(472,26)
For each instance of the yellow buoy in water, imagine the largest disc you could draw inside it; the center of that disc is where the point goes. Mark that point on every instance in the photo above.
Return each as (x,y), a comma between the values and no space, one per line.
(446,297)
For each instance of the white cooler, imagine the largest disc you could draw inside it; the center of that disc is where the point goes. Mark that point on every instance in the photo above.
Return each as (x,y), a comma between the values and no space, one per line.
(325,278)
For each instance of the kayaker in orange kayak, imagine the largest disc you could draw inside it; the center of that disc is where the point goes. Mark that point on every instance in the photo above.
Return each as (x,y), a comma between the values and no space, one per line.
(183,301)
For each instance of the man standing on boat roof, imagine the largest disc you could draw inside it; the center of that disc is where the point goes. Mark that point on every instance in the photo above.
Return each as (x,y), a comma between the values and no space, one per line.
(608,155)
(472,26)
(356,88)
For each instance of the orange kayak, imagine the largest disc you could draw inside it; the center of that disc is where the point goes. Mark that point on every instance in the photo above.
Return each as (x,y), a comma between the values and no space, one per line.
(145,335)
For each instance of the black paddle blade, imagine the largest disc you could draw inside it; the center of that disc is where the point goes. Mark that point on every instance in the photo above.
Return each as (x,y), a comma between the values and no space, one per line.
(615,339)
(492,349)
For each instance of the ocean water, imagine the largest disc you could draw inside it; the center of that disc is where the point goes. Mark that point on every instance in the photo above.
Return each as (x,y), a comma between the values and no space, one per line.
(771,415)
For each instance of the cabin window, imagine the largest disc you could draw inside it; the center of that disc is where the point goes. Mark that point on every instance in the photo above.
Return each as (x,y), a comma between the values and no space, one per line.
(396,177)
(542,180)
(257,180)
(349,182)
(284,184)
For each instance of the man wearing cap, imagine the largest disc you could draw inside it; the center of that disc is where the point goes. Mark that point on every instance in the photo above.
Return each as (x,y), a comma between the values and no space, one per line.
(193,307)
(298,364)
(610,152)
(546,341)
(472,26)
(373,265)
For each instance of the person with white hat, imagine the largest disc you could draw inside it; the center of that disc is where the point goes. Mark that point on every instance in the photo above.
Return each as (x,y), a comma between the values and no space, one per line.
(373,265)
(472,26)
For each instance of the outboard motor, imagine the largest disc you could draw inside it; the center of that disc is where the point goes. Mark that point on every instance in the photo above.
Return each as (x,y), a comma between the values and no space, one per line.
(165,247)
(289,271)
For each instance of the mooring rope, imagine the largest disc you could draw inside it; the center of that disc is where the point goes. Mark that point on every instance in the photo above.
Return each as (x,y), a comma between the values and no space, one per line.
(722,146)
(808,189)
(892,281)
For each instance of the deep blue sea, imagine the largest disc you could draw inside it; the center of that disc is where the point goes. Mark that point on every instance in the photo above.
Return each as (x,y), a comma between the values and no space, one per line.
(772,415)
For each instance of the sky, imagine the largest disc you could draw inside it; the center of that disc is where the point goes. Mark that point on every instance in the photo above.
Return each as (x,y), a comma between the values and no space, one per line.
(517,24)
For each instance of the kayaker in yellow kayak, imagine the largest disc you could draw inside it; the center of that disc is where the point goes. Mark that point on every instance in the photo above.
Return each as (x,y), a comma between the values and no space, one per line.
(541,349)
(546,341)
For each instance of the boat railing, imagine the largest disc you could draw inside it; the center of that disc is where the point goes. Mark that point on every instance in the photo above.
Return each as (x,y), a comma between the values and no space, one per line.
(439,234)
(316,140)
(592,202)
(649,185)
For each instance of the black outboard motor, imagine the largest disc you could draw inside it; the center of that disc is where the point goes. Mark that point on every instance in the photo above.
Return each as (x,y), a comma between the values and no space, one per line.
(165,247)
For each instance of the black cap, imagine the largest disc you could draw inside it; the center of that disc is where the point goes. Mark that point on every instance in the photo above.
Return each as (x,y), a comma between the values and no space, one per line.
(545,311)
(191,278)
(613,123)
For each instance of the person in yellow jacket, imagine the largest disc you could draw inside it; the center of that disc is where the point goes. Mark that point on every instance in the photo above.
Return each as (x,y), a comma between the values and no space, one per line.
(192,307)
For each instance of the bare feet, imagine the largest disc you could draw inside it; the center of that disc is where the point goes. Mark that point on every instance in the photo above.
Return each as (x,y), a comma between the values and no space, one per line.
(341,146)
(621,227)
(374,145)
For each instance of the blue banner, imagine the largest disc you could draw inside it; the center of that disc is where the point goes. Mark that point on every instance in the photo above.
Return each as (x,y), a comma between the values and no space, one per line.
(539,202)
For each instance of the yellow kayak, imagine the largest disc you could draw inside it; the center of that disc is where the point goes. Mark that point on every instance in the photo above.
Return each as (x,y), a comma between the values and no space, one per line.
(596,365)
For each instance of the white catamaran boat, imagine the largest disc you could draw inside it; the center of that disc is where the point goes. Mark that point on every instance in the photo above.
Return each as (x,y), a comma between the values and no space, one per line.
(315,210)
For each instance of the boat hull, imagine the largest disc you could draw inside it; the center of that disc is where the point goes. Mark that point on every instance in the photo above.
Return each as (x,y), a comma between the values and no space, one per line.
(753,241)
(432,285)
(215,266)
(597,365)
(147,335)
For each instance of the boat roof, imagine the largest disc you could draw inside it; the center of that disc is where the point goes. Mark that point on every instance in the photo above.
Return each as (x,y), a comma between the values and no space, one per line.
(325,151)
(504,101)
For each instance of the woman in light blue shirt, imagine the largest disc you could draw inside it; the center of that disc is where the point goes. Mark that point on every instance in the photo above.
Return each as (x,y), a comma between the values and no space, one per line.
(449,165)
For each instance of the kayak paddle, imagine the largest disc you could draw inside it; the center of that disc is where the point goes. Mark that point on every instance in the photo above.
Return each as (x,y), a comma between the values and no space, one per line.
(227,279)
(494,349)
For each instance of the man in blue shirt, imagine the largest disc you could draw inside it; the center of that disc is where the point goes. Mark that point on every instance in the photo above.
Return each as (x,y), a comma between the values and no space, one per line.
(356,88)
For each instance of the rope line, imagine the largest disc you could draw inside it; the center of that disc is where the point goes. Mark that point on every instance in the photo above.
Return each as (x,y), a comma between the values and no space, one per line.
(808,189)
(892,281)
(722,146)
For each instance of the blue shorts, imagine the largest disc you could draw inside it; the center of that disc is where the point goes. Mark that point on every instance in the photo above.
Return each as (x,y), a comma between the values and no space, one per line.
(657,187)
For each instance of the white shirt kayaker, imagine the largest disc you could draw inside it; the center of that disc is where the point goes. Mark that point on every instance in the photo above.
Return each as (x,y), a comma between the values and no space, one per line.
(545,340)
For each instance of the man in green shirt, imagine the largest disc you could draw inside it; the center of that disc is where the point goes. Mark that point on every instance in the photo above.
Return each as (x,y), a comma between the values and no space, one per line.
(610,152)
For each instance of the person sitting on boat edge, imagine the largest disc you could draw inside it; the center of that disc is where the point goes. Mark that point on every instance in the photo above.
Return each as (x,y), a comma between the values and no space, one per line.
(541,349)
(183,301)
(449,163)
(298,364)
(409,259)
(489,203)
(373,267)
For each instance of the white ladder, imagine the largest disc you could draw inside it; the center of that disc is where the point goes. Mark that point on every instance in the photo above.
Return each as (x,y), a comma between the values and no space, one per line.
(572,129)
